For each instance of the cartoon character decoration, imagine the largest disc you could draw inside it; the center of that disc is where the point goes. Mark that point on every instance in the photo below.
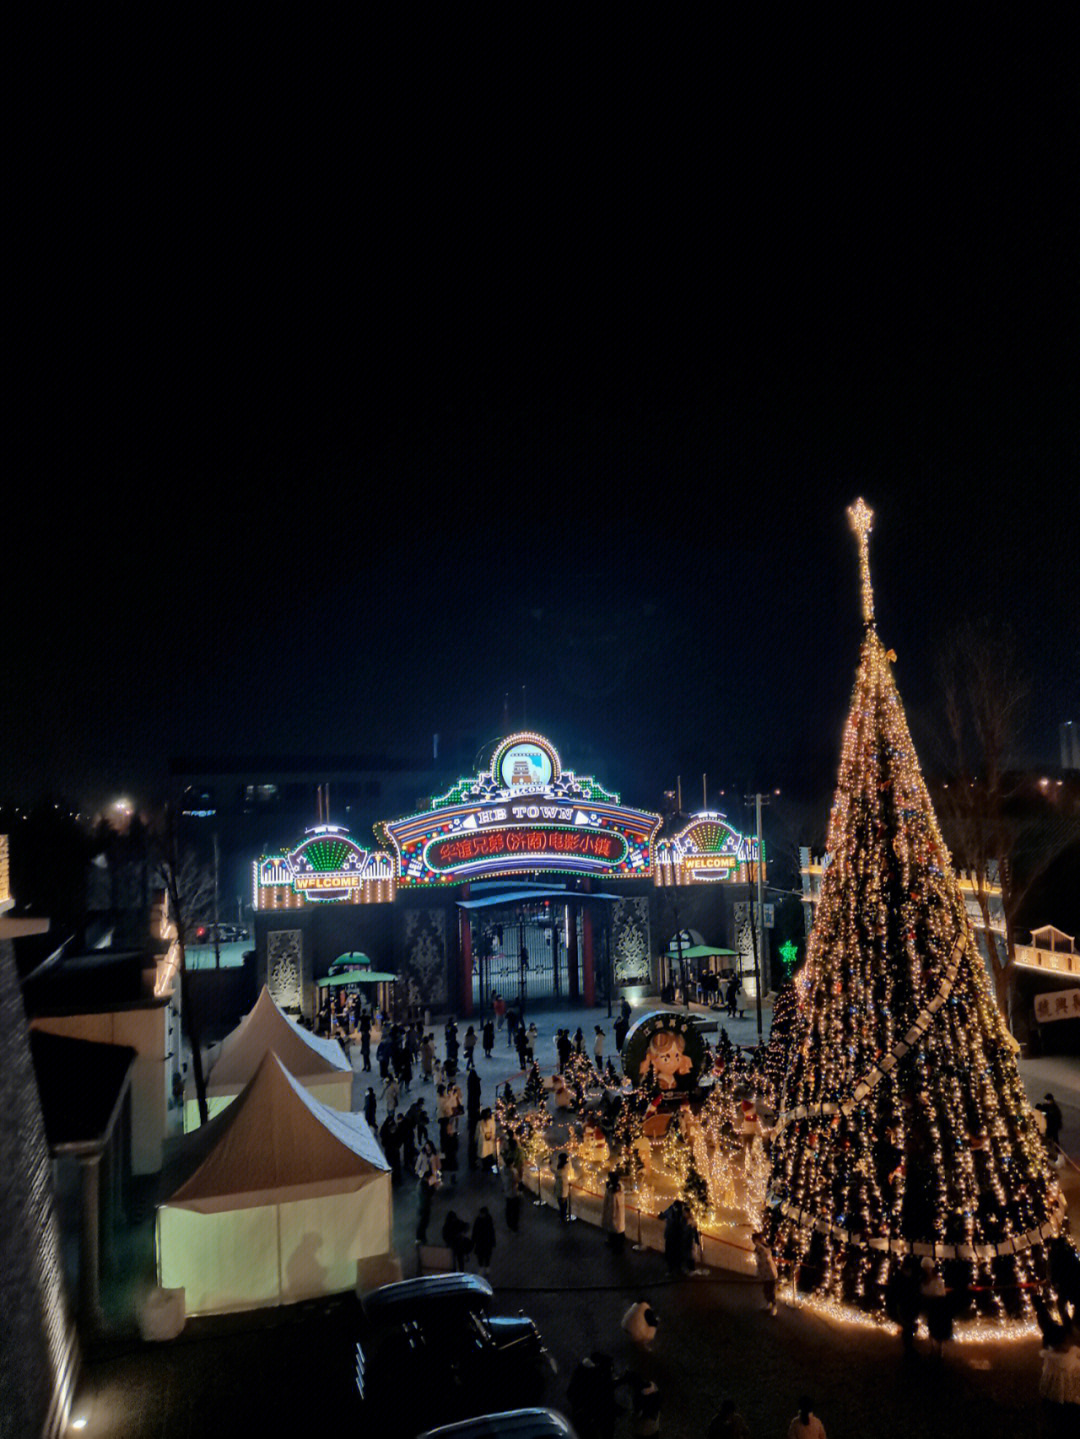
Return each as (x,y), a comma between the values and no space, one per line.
(664,1049)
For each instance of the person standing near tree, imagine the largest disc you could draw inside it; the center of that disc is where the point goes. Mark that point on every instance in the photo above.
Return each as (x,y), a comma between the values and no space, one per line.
(564,1180)
(766,1271)
(598,1048)
(531,1037)
(564,1047)
(485,1141)
(511,1174)
(613,1217)
(522,1046)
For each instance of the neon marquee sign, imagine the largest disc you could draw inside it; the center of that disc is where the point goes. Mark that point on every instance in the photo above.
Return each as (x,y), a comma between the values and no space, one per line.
(327,865)
(706,851)
(523,815)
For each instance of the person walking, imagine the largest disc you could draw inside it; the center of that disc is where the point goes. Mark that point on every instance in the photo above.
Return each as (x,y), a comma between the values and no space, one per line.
(364,1025)
(598,1048)
(455,1233)
(646,1408)
(451,1040)
(531,1036)
(522,1043)
(483,1239)
(390,1094)
(621,1026)
(498,1004)
(469,1046)
(613,1217)
(512,1023)
(806,1424)
(383,1052)
(591,1396)
(388,1140)
(427,1058)
(640,1323)
(564,1179)
(485,1141)
(427,1173)
(489,1038)
(472,1113)
(766,1271)
(1049,1107)
(727,1423)
(405,1070)
(370,1107)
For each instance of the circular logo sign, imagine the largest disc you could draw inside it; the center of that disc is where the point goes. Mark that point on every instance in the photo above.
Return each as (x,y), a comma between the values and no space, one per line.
(524,764)
(665,1044)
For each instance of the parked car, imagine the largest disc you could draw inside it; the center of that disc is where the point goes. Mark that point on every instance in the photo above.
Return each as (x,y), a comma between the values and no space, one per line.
(511,1424)
(433,1352)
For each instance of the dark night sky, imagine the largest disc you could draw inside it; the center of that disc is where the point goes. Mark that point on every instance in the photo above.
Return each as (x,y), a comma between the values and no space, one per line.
(351,401)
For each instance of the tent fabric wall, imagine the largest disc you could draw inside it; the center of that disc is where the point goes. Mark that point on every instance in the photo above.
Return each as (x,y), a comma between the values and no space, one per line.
(237,1259)
(283,1197)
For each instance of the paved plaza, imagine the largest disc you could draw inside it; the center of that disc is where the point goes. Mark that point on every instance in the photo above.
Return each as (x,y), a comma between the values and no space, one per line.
(270,1370)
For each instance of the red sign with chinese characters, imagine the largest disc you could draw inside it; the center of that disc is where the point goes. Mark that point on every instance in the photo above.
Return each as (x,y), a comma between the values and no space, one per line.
(445,855)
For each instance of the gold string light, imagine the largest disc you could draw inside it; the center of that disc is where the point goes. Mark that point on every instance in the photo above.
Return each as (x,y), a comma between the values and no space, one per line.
(905,1124)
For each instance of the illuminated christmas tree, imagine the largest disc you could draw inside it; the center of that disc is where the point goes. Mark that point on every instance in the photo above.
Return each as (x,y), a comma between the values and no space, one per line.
(904,1124)
(778,1054)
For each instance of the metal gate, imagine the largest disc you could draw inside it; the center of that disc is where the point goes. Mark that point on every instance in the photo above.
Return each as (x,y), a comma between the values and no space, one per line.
(540,931)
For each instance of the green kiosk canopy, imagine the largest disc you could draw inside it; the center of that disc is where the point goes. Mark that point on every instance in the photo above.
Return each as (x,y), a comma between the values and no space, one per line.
(354,968)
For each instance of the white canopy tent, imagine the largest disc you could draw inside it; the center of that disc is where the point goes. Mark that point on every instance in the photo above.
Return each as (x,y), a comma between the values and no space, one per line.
(318,1064)
(290,1196)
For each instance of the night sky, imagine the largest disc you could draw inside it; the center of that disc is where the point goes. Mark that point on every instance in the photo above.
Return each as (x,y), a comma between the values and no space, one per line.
(353,400)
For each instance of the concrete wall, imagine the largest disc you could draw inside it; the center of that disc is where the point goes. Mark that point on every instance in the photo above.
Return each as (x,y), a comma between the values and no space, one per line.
(147,1032)
(37,1351)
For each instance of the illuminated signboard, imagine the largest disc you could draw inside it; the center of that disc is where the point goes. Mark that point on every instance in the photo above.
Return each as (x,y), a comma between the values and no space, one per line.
(523,815)
(326,866)
(706,851)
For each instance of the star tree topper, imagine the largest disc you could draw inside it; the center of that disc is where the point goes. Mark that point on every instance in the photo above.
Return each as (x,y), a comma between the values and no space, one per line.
(861,517)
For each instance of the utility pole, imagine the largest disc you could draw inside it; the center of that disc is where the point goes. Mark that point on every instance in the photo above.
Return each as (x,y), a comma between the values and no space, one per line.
(670,892)
(759,800)
(217,904)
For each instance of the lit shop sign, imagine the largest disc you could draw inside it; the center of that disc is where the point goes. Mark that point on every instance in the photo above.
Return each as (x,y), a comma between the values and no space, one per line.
(326,865)
(547,845)
(524,815)
(706,851)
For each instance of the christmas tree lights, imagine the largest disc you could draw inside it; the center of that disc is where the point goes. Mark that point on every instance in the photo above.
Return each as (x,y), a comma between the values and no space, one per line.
(903,1123)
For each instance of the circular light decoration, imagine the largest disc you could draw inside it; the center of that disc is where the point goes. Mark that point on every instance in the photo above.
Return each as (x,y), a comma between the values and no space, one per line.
(327,865)
(667,1044)
(525,761)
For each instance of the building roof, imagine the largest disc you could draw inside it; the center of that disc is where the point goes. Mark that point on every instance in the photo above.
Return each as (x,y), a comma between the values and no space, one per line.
(265,1029)
(104,981)
(275,1144)
(82,1085)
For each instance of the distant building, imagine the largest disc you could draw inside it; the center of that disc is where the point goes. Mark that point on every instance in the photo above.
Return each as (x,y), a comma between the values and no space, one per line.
(812,867)
(38,1354)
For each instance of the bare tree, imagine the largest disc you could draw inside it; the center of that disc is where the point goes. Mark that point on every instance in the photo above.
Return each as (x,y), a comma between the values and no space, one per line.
(989,820)
(189,895)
